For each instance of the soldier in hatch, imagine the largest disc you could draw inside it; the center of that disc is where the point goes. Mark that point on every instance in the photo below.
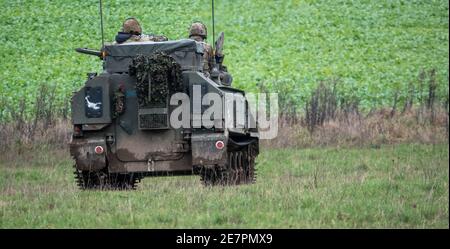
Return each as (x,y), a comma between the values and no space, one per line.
(132,32)
(198,32)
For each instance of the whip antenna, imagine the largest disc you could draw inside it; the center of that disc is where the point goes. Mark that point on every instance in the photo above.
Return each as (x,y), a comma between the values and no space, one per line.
(212,10)
(101,22)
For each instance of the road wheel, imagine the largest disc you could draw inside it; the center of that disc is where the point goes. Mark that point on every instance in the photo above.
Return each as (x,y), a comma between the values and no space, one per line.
(239,169)
(102,180)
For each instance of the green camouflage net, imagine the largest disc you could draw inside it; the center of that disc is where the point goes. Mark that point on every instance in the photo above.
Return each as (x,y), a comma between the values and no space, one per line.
(158,73)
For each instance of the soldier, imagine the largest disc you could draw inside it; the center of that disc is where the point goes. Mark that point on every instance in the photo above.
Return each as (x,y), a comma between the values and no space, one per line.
(132,32)
(198,32)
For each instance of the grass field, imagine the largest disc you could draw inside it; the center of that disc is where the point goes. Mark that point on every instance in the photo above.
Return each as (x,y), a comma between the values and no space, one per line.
(404,186)
(374,48)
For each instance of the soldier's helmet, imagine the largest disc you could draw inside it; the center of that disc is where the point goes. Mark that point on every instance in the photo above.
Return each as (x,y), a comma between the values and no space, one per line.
(198,29)
(131,26)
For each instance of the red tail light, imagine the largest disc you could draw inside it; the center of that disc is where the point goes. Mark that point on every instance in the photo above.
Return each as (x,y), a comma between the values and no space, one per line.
(220,145)
(99,150)
(77,132)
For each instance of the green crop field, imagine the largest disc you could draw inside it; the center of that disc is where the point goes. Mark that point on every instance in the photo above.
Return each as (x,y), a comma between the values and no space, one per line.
(373,48)
(402,186)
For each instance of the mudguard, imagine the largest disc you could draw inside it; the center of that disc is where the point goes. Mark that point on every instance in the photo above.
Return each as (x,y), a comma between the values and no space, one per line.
(204,151)
(83,151)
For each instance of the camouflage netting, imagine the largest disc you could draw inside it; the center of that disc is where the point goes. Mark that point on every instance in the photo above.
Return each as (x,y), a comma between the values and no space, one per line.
(164,74)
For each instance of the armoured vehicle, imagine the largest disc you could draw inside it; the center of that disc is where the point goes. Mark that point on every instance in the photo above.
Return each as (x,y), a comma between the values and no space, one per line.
(122,129)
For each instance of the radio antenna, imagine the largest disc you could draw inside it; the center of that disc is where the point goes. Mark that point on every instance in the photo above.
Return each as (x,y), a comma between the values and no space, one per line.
(101,23)
(213,24)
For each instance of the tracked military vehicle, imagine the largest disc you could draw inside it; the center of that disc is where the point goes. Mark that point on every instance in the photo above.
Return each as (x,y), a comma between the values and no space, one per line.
(122,127)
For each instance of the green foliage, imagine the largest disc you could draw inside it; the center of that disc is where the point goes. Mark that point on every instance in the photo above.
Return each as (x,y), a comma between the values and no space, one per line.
(374,48)
(404,186)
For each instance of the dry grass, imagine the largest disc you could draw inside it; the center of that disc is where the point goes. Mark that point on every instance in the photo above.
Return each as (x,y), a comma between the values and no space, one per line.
(345,130)
(16,140)
(374,129)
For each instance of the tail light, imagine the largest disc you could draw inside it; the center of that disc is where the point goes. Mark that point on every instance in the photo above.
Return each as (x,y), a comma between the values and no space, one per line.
(220,145)
(77,131)
(99,150)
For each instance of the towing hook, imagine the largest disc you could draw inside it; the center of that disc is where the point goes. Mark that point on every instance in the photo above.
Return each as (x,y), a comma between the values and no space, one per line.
(150,165)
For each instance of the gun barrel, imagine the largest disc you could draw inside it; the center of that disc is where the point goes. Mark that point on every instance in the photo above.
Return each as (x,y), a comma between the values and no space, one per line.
(89,51)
